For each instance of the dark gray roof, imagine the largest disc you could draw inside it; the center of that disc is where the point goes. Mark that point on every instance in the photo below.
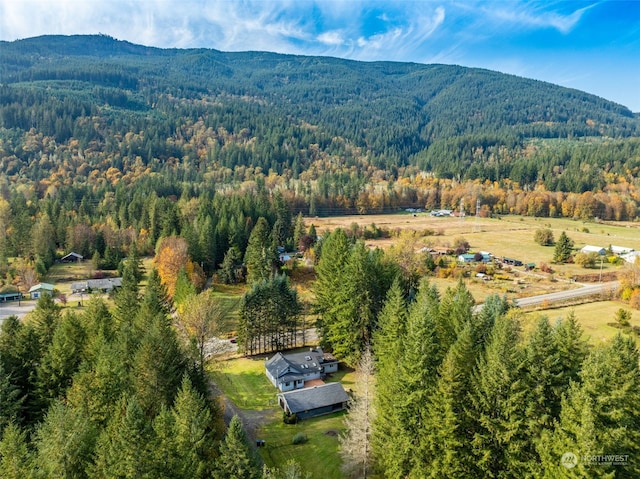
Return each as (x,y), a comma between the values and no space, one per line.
(303,362)
(316,397)
(277,365)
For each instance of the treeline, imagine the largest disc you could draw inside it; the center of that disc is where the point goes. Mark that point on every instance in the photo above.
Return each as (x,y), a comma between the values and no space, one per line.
(460,393)
(113,394)
(466,394)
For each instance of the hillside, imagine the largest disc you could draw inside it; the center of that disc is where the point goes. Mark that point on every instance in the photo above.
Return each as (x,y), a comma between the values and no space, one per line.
(274,111)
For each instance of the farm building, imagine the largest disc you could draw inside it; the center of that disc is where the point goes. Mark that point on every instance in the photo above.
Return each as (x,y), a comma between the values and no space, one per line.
(314,401)
(12,296)
(292,371)
(105,285)
(594,249)
(620,250)
(72,258)
(39,289)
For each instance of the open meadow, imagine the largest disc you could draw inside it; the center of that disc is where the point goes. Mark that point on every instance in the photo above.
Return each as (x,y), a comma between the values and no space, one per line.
(597,319)
(509,236)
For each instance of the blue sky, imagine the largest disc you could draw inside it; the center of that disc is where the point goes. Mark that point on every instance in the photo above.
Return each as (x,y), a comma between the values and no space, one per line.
(589,45)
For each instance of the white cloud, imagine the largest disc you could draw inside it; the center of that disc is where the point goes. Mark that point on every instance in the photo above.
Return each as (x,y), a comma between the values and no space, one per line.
(331,38)
(521,15)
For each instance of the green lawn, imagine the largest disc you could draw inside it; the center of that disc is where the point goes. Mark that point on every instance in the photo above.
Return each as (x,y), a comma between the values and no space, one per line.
(595,319)
(229,297)
(318,456)
(244,381)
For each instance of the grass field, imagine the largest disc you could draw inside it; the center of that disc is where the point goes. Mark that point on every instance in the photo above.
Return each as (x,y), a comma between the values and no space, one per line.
(510,236)
(595,319)
(244,381)
(318,456)
(229,297)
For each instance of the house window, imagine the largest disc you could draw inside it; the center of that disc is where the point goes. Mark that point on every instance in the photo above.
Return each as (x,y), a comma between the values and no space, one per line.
(287,384)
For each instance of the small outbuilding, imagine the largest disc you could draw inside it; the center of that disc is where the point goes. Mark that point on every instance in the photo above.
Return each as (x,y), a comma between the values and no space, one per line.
(39,289)
(72,258)
(11,296)
(314,401)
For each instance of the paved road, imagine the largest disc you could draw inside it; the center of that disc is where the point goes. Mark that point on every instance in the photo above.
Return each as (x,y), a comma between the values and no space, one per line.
(585,290)
(12,308)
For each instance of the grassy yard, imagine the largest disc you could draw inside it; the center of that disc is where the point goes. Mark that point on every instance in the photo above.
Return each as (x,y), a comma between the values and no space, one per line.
(318,456)
(243,380)
(596,319)
(229,296)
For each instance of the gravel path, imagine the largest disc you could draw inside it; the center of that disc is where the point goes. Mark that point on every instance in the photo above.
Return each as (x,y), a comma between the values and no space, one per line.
(252,420)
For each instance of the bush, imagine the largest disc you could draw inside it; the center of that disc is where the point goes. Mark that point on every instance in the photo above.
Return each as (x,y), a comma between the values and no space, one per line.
(543,236)
(289,418)
(299,439)
(623,316)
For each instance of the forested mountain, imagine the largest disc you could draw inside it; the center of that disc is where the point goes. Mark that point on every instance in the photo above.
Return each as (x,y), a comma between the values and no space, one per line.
(278,112)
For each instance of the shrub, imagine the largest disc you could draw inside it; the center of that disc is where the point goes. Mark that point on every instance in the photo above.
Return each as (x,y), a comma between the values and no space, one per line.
(289,418)
(634,300)
(299,439)
(543,236)
(623,316)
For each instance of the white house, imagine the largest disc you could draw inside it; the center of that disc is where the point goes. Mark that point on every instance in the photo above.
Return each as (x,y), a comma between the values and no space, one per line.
(292,371)
(620,250)
(594,249)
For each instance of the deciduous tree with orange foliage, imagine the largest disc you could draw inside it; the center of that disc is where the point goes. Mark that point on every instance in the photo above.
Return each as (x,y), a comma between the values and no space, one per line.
(171,255)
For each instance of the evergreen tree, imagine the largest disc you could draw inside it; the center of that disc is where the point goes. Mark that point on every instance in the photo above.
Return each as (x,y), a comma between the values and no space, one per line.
(419,372)
(64,443)
(391,444)
(571,347)
(15,457)
(155,300)
(231,269)
(194,432)
(62,359)
(184,290)
(496,394)
(237,459)
(122,450)
(448,431)
(351,319)
(269,316)
(299,230)
(330,277)
(20,357)
(45,318)
(456,307)
(127,298)
(260,256)
(157,367)
(165,461)
(10,400)
(563,249)
(600,415)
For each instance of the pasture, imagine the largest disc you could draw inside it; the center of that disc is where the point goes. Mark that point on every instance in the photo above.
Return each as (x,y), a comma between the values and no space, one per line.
(508,236)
